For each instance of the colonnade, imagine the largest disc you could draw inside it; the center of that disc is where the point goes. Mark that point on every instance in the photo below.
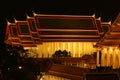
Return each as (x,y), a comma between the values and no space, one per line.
(77,49)
(110,57)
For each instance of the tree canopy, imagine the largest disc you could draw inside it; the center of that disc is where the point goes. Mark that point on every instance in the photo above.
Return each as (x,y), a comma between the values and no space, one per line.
(60,53)
(16,65)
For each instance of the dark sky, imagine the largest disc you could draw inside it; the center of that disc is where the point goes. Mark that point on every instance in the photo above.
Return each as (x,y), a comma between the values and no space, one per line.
(107,9)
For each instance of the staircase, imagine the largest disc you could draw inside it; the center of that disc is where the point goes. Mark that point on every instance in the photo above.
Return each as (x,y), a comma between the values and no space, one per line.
(69,72)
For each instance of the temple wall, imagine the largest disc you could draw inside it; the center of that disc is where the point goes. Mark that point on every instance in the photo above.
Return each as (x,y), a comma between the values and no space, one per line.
(77,49)
(111,57)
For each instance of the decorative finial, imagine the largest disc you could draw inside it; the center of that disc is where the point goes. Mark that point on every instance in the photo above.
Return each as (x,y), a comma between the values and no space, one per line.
(15,20)
(99,18)
(109,22)
(93,15)
(34,14)
(8,23)
(27,16)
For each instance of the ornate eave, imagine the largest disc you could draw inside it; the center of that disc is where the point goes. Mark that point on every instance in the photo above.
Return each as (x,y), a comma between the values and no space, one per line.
(58,28)
(112,36)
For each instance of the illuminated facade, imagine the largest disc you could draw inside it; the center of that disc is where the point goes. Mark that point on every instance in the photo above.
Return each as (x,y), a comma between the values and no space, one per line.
(81,35)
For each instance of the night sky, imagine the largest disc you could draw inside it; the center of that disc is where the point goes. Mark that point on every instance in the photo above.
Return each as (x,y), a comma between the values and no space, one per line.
(18,9)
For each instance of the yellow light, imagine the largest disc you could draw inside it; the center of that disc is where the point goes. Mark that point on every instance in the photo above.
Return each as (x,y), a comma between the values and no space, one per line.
(77,49)
(19,67)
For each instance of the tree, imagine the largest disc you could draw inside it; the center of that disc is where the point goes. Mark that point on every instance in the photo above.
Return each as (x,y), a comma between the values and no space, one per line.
(60,53)
(16,65)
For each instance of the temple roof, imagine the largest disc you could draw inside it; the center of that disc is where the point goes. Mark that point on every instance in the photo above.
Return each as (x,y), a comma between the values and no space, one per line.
(112,37)
(45,21)
(56,28)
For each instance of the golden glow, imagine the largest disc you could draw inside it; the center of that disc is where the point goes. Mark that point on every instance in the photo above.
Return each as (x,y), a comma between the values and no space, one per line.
(34,13)
(8,23)
(111,57)
(19,67)
(77,49)
(51,77)
(28,16)
(110,50)
(15,20)
(93,15)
